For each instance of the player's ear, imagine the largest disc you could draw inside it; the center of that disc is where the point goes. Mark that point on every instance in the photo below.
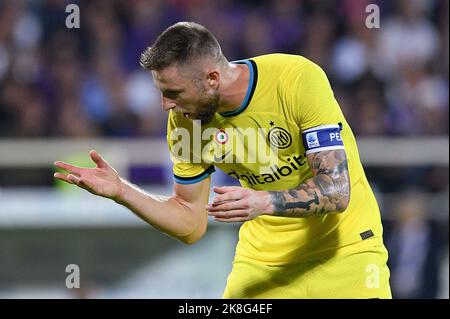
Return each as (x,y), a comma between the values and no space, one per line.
(213,77)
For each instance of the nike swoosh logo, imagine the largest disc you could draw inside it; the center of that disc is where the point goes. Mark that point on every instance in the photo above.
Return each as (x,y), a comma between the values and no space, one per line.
(218,159)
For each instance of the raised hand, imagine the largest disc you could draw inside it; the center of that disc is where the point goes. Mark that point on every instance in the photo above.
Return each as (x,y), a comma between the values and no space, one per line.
(102,180)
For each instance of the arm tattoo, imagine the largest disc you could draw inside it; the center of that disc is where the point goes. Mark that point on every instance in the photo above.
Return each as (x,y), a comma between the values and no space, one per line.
(328,191)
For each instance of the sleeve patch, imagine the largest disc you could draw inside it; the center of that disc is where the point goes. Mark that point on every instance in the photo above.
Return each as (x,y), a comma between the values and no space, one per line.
(322,138)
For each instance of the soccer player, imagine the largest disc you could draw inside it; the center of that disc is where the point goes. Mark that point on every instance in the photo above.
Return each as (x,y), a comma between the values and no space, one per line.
(311,224)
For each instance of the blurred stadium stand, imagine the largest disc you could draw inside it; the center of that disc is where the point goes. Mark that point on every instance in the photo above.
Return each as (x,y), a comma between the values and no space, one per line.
(66,91)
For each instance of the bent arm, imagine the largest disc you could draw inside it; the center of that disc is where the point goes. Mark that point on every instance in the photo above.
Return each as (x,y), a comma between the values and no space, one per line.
(181,215)
(327,192)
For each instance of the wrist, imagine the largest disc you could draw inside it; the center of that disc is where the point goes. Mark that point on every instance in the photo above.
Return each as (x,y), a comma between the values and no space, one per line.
(268,205)
(120,197)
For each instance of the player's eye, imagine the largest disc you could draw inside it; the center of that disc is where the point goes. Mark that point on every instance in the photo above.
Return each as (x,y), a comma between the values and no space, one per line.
(171,94)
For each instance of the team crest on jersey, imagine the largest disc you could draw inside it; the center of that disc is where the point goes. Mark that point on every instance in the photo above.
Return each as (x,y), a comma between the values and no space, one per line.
(279,137)
(312,140)
(221,137)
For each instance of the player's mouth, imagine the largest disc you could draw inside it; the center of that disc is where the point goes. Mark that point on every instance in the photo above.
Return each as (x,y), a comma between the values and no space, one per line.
(187,115)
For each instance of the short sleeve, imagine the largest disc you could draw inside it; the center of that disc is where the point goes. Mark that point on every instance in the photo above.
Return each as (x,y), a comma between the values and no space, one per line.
(312,98)
(187,169)
(314,107)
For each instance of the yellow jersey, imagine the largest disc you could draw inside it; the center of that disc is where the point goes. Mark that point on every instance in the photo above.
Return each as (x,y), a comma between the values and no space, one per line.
(261,144)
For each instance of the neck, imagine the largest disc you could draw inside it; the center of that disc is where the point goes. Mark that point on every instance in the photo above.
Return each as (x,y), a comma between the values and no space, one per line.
(233,87)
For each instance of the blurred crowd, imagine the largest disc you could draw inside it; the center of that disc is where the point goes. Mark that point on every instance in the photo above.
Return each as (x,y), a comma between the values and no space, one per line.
(416,246)
(86,82)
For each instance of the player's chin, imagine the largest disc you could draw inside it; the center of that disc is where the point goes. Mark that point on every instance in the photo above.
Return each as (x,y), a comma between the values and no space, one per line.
(204,117)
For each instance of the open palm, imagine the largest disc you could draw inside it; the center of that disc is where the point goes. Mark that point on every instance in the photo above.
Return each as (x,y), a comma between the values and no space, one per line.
(101,180)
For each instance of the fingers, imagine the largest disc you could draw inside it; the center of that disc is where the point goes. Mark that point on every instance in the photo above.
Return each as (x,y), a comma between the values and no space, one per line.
(225,189)
(69,168)
(62,177)
(231,220)
(96,157)
(69,178)
(228,193)
(230,205)
(230,196)
(74,173)
(78,170)
(74,179)
(238,213)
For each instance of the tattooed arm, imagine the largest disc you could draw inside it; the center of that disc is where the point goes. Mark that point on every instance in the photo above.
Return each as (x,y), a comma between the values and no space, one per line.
(328,191)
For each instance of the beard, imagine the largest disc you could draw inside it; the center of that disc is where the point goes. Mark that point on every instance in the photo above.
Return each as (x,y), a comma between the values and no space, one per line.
(207,107)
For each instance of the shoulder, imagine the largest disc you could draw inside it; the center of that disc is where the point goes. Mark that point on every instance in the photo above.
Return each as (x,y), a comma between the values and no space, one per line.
(288,69)
(280,60)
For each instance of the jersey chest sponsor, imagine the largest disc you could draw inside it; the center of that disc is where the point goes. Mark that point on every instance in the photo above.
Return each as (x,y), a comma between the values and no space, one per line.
(274,172)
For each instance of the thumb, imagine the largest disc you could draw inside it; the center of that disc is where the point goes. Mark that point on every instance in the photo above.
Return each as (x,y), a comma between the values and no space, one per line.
(98,159)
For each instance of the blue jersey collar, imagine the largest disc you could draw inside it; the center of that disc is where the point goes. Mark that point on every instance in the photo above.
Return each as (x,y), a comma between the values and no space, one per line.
(250,89)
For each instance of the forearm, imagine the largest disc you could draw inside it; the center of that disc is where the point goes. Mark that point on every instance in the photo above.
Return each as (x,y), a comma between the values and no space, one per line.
(168,214)
(327,192)
(318,195)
